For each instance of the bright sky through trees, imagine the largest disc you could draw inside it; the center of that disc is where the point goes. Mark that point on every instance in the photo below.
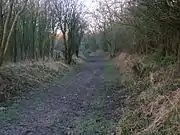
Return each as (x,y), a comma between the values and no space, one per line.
(90,4)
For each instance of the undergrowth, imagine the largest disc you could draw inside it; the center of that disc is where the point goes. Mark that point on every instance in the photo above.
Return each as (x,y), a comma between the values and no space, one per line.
(152,89)
(19,78)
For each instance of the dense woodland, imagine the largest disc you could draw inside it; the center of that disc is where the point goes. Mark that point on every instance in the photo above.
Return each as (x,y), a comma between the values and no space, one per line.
(140,26)
(28,28)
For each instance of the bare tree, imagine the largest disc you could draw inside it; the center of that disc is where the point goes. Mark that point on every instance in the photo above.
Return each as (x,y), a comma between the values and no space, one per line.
(5,41)
(68,14)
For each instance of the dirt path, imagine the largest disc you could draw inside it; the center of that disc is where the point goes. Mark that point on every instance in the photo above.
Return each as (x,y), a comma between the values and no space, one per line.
(83,103)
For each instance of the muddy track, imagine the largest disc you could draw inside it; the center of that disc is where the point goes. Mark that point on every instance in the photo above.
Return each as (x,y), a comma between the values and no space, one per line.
(56,109)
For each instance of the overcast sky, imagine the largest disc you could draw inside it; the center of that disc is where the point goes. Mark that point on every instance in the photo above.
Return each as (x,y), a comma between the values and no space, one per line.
(91,7)
(90,4)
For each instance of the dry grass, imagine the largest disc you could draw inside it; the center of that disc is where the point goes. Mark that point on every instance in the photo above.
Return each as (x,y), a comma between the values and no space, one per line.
(153,97)
(81,59)
(21,77)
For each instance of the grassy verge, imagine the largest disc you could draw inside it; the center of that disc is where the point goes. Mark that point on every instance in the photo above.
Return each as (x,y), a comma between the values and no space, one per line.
(17,79)
(153,98)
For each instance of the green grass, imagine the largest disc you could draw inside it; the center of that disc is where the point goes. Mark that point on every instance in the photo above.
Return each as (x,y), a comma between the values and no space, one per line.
(164,60)
(8,113)
(110,68)
(95,124)
(167,88)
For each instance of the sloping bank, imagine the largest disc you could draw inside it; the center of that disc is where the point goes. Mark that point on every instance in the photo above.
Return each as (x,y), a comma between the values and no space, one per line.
(17,79)
(152,104)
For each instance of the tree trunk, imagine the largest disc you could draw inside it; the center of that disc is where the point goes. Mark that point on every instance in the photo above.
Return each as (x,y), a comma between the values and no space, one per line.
(15,45)
(1,22)
(65,47)
(5,42)
(77,53)
(52,45)
(33,37)
(23,41)
(5,30)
